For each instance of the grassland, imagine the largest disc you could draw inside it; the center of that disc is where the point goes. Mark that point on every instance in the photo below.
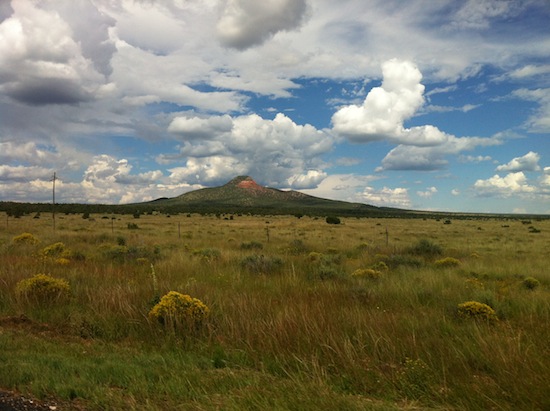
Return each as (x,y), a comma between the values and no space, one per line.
(290,326)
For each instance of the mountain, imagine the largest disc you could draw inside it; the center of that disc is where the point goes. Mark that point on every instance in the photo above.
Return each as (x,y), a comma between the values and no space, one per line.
(243,194)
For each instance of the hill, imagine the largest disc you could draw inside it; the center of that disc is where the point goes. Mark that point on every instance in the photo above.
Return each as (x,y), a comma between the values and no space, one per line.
(243,194)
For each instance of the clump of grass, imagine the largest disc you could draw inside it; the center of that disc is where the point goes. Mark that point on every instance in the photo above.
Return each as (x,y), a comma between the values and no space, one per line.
(380,266)
(252,245)
(314,256)
(177,311)
(208,254)
(447,262)
(260,264)
(477,311)
(297,247)
(474,283)
(25,238)
(415,379)
(43,289)
(531,283)
(404,260)
(368,273)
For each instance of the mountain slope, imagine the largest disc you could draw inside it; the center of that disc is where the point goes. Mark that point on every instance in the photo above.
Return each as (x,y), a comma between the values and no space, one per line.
(243,193)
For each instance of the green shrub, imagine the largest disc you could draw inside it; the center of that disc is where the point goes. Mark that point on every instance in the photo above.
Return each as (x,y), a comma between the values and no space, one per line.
(530,283)
(477,311)
(426,248)
(332,220)
(415,379)
(252,245)
(208,254)
(447,262)
(25,238)
(43,289)
(176,311)
(297,247)
(314,256)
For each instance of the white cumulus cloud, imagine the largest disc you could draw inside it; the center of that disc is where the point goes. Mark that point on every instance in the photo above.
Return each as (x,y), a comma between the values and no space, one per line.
(511,184)
(429,192)
(528,162)
(387,197)
(275,152)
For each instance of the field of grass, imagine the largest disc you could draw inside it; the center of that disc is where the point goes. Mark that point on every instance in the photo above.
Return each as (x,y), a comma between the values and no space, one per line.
(303,315)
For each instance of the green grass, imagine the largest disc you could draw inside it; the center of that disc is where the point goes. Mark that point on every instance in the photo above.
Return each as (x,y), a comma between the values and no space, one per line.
(290,328)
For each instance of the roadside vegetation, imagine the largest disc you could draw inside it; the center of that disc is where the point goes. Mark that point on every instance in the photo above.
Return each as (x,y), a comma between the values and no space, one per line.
(241,312)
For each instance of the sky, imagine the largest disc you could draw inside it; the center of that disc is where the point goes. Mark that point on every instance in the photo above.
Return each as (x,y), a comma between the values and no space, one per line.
(420,104)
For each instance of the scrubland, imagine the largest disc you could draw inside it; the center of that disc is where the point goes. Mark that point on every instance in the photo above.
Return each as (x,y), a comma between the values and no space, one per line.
(296,314)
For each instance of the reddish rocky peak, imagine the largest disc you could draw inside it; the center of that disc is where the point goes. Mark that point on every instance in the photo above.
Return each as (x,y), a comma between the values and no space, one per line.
(246,183)
(249,184)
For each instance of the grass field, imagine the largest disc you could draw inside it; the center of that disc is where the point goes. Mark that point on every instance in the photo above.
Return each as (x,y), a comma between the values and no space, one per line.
(302,315)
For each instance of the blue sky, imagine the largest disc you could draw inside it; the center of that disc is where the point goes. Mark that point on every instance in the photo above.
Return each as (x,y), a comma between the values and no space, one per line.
(423,105)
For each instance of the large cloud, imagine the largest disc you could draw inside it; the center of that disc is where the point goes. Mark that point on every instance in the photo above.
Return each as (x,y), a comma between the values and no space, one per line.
(41,61)
(509,185)
(528,162)
(386,108)
(246,23)
(382,115)
(276,152)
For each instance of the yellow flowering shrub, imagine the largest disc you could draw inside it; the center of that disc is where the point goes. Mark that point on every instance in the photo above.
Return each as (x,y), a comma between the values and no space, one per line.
(62,261)
(53,250)
(25,238)
(43,289)
(366,273)
(179,310)
(477,310)
(474,283)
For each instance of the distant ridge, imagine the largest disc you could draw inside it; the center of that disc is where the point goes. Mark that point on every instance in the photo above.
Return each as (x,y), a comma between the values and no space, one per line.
(243,194)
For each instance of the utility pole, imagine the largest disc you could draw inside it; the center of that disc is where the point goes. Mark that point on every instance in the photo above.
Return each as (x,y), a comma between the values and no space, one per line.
(53,200)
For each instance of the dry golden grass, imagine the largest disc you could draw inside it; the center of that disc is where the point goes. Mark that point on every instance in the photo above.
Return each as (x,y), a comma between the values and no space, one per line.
(289,308)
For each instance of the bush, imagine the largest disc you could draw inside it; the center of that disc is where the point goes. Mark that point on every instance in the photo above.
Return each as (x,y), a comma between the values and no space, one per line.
(178,310)
(366,273)
(447,262)
(252,245)
(530,283)
(415,379)
(53,250)
(332,220)
(426,248)
(259,264)
(25,238)
(380,266)
(314,256)
(477,311)
(297,247)
(43,289)
(208,254)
